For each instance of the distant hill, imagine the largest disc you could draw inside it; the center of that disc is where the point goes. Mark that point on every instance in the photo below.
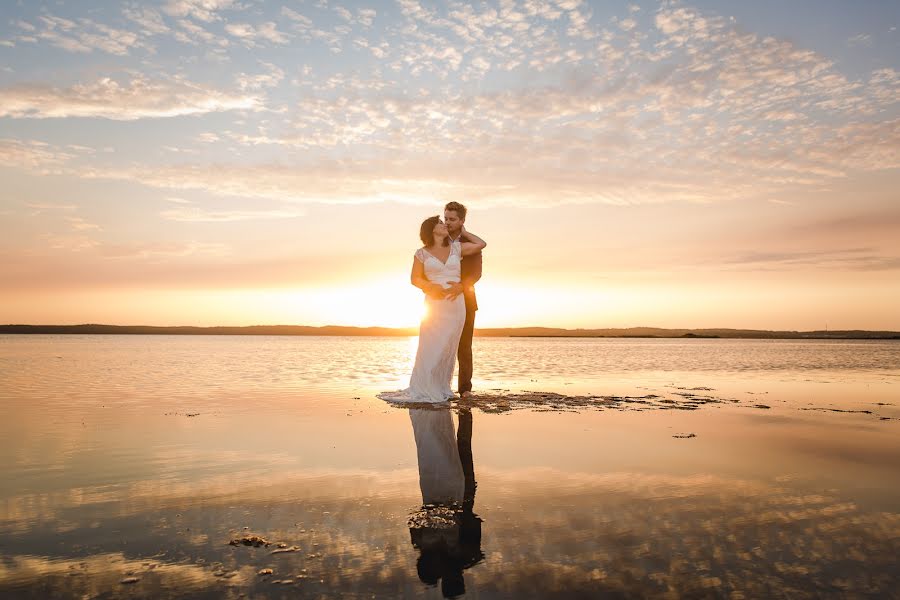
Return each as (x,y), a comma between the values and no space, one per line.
(632,332)
(657,332)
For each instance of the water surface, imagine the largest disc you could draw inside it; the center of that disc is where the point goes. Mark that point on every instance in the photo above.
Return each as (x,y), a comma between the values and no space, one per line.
(141,457)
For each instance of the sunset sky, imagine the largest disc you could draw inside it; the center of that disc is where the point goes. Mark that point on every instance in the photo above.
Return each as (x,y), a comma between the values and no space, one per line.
(238,162)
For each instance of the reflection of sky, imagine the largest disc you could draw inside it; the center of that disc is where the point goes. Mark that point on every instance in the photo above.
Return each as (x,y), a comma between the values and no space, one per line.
(544,532)
(102,466)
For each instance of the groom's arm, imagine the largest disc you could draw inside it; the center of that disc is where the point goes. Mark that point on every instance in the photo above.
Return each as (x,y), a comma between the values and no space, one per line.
(471,270)
(471,266)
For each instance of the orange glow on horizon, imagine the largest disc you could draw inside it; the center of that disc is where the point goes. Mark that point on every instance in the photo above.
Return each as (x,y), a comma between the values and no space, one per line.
(388,300)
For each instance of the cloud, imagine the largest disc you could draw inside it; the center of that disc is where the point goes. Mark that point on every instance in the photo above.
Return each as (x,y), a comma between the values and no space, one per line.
(326,183)
(300,21)
(424,181)
(424,150)
(40,207)
(344,13)
(271,78)
(855,224)
(193,34)
(676,105)
(160,250)
(250,34)
(203,10)
(845,259)
(208,137)
(862,39)
(107,98)
(195,214)
(31,155)
(68,242)
(366,16)
(79,224)
(83,35)
(627,24)
(150,20)
(40,157)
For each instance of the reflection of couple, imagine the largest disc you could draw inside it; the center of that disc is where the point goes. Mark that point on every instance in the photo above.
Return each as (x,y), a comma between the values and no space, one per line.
(446,269)
(447,481)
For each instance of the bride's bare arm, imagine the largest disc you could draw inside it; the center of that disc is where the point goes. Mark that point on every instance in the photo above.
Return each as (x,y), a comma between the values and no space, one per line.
(473,243)
(417,278)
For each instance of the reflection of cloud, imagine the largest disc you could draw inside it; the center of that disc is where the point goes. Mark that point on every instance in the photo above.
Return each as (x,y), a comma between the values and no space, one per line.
(623,534)
(25,512)
(107,98)
(100,574)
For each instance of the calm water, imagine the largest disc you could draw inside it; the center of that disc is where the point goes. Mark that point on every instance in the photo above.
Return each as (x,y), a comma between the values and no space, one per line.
(696,468)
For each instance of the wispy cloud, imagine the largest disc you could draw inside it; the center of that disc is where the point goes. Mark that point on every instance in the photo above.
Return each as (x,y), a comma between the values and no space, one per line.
(202,10)
(81,224)
(848,259)
(150,20)
(31,155)
(862,39)
(161,250)
(651,106)
(196,214)
(81,35)
(251,35)
(41,207)
(135,98)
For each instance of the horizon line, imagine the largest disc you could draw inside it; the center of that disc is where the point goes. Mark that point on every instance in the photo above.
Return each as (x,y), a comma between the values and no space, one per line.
(525,331)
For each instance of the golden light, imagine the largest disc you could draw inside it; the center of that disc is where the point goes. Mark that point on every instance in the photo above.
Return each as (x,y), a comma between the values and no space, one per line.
(387,302)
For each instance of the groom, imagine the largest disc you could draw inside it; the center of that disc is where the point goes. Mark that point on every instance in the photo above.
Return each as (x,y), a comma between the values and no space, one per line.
(455,218)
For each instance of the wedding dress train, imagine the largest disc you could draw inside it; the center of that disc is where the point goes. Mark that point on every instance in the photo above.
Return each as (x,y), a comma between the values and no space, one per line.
(439,334)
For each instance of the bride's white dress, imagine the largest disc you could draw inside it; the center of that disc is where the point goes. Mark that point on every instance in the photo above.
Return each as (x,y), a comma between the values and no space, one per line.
(439,334)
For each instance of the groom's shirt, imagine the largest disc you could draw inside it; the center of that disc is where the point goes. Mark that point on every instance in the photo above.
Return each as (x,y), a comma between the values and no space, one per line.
(470,273)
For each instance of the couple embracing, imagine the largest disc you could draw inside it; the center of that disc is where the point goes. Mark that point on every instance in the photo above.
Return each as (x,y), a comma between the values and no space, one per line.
(446,268)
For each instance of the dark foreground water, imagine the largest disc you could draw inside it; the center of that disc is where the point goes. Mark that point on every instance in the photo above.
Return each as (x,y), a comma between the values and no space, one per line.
(585,468)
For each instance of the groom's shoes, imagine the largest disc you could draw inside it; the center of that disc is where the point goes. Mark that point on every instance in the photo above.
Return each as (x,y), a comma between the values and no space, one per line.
(465,395)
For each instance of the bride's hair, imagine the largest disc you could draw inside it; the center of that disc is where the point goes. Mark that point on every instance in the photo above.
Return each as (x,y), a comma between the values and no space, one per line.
(426,231)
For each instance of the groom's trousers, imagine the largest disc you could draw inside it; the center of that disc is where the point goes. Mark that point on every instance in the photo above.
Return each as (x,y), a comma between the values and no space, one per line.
(464,354)
(470,273)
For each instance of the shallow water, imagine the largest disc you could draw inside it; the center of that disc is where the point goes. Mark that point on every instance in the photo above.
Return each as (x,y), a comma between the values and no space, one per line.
(143,456)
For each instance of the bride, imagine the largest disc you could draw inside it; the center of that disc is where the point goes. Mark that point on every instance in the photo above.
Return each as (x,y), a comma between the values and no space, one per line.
(436,270)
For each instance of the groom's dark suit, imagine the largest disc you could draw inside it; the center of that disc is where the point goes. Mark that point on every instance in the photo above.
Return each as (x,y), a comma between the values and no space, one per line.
(470,273)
